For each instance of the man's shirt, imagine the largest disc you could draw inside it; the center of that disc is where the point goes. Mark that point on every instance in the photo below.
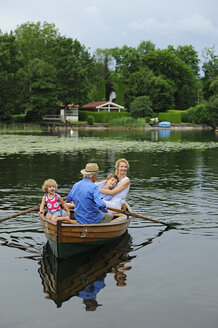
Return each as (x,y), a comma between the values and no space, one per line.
(88,202)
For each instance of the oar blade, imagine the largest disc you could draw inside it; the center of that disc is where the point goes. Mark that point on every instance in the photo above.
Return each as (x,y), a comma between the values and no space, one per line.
(170,224)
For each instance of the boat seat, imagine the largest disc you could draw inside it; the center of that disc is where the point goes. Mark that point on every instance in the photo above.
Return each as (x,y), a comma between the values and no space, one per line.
(118,219)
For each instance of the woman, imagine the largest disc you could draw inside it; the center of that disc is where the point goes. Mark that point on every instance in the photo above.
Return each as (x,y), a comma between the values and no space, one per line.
(121,190)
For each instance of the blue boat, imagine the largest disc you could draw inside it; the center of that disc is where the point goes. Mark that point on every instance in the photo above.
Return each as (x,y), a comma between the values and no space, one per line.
(164,124)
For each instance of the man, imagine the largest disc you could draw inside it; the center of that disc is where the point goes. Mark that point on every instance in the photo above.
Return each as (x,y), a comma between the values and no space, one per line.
(89,206)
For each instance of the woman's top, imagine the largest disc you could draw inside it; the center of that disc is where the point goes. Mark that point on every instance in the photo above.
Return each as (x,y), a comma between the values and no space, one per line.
(119,198)
(104,196)
(52,204)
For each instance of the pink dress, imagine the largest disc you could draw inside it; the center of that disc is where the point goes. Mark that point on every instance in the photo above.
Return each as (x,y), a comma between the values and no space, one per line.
(53,204)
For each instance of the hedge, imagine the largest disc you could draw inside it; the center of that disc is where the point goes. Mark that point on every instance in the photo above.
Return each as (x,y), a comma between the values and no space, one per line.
(102,116)
(172,116)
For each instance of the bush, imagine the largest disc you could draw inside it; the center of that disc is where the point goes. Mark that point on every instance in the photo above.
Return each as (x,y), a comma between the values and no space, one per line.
(33,116)
(128,121)
(5,113)
(198,115)
(90,119)
(184,116)
(141,107)
(19,118)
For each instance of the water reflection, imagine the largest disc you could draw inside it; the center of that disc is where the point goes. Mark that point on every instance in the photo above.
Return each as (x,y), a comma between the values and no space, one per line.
(164,133)
(89,294)
(83,276)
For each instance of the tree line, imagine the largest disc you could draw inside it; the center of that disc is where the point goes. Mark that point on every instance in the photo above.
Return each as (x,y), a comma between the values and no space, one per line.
(41,69)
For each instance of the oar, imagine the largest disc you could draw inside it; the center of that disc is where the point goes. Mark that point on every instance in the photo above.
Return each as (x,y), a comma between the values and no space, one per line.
(169,224)
(20,213)
(23,212)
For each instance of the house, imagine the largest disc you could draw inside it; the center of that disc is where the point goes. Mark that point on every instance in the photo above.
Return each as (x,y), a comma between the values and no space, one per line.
(70,114)
(102,105)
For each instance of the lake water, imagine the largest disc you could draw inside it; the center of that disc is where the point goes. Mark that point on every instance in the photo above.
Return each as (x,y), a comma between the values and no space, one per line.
(152,277)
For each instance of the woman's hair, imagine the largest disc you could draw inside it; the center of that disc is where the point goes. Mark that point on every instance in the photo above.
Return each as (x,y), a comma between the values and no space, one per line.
(112,175)
(118,163)
(49,183)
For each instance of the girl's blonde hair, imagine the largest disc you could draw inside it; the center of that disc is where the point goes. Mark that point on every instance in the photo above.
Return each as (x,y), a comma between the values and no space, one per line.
(118,163)
(48,183)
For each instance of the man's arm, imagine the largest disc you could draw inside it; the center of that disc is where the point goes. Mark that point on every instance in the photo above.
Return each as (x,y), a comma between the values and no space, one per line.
(98,200)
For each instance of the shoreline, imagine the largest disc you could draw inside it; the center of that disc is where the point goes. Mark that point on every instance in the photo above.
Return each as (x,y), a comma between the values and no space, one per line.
(147,127)
(66,127)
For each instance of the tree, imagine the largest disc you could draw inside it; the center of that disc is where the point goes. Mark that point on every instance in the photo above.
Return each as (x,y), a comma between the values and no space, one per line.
(74,67)
(64,65)
(145,48)
(145,83)
(103,63)
(42,96)
(169,65)
(161,92)
(120,92)
(8,84)
(213,110)
(214,85)
(188,55)
(141,107)
(127,60)
(210,69)
(34,40)
(101,91)
(36,74)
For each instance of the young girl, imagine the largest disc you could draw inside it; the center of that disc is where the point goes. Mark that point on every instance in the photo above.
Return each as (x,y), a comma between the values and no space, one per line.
(53,202)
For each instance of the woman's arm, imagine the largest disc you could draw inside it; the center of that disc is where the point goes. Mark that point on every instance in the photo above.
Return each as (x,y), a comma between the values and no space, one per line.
(117,189)
(101,182)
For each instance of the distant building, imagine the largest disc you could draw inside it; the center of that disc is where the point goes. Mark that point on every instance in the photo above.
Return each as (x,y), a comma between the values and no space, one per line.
(70,114)
(102,105)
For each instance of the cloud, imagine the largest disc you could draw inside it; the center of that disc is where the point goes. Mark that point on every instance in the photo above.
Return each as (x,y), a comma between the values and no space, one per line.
(92,10)
(98,23)
(196,24)
(148,24)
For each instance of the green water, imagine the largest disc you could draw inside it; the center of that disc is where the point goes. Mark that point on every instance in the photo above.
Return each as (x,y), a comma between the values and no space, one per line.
(154,277)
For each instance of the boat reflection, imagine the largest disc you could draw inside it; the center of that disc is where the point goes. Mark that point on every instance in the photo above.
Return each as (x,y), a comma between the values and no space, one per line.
(83,275)
(164,133)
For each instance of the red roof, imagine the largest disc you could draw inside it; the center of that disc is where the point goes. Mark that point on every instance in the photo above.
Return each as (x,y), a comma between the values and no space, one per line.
(72,105)
(95,104)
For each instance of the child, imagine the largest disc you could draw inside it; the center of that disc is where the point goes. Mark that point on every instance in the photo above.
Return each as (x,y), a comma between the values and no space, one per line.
(53,202)
(110,183)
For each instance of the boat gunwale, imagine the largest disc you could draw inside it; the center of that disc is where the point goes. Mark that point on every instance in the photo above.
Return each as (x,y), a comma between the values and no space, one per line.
(121,220)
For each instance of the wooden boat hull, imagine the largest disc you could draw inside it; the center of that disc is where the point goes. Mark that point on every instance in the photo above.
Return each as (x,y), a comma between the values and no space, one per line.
(68,239)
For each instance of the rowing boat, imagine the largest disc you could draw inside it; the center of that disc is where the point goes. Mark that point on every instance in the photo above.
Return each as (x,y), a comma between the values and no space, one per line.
(67,239)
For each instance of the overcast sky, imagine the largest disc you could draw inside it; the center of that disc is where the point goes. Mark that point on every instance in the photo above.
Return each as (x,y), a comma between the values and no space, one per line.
(111,23)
